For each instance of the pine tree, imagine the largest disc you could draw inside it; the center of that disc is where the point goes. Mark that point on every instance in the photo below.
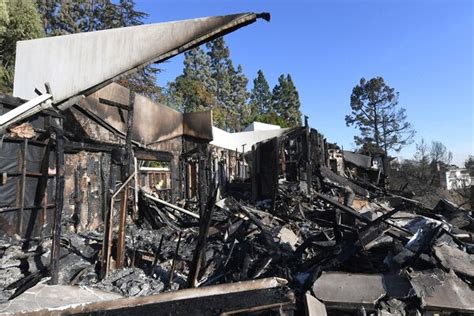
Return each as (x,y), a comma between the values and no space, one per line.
(193,90)
(19,20)
(62,17)
(294,104)
(375,112)
(220,62)
(260,104)
(237,105)
(286,103)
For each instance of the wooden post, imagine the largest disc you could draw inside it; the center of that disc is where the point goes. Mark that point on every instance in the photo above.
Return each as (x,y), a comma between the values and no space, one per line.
(59,197)
(175,257)
(21,196)
(202,183)
(108,222)
(255,172)
(128,138)
(198,256)
(309,165)
(41,197)
(125,174)
(136,186)
(121,233)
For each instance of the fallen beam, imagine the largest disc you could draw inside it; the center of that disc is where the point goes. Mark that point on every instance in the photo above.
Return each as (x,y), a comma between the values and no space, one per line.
(179,209)
(59,201)
(249,296)
(342,207)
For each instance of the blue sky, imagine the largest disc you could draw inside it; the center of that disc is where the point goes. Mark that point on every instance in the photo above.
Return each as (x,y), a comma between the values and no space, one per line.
(423,49)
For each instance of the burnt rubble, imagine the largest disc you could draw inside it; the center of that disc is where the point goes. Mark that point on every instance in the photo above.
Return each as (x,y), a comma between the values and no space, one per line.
(112,203)
(391,256)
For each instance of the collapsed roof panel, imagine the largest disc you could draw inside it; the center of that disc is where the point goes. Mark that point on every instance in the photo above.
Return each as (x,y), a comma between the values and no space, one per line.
(357,159)
(78,63)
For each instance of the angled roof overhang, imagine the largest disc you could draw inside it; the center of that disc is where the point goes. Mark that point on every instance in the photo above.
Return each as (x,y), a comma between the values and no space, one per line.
(80,64)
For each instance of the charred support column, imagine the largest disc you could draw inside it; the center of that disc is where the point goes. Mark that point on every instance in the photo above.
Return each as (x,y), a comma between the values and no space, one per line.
(203,184)
(128,139)
(21,195)
(59,196)
(125,174)
(199,252)
(309,165)
(107,242)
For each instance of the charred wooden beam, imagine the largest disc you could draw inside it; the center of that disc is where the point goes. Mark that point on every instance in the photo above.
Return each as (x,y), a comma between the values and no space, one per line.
(128,138)
(108,221)
(175,257)
(156,155)
(309,166)
(342,207)
(175,207)
(59,197)
(97,119)
(263,295)
(202,175)
(199,252)
(113,103)
(121,232)
(22,181)
(125,179)
(28,208)
(73,147)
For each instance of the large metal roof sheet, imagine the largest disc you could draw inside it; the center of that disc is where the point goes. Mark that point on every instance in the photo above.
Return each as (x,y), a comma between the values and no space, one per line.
(82,63)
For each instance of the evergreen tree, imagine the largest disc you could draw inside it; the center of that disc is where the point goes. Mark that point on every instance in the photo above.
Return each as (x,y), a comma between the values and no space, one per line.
(260,104)
(221,68)
(376,113)
(72,16)
(237,105)
(193,90)
(19,20)
(286,103)
(294,104)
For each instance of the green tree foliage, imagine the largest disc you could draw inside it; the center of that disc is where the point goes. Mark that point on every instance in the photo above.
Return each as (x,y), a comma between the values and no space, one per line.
(221,71)
(62,17)
(194,89)
(237,106)
(286,102)
(210,81)
(19,20)
(382,124)
(260,102)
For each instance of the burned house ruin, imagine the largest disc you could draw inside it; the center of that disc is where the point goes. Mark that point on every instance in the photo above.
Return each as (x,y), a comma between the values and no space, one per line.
(114,203)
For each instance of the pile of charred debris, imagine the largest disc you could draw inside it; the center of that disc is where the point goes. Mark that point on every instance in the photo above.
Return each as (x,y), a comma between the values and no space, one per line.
(114,204)
(320,250)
